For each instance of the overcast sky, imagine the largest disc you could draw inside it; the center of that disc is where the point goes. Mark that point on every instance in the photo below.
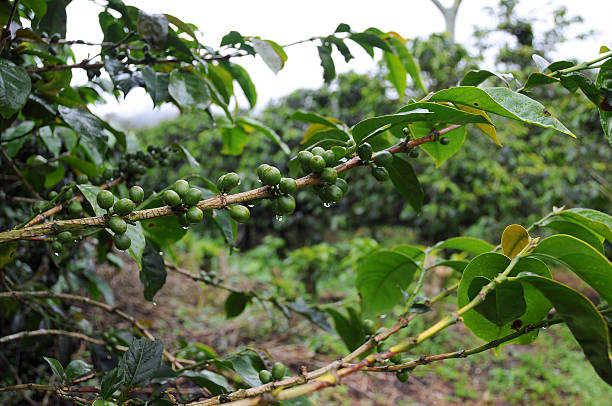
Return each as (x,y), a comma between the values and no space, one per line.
(288,21)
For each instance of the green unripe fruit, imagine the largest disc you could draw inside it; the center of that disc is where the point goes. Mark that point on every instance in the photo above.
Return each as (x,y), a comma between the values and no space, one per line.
(194,215)
(82,178)
(75,207)
(396,358)
(414,153)
(64,237)
(182,219)
(171,198)
(278,371)
(444,140)
(331,194)
(304,158)
(275,208)
(330,157)
(317,164)
(364,151)
(329,175)
(403,375)
(97,180)
(193,196)
(52,195)
(122,241)
(382,347)
(260,170)
(240,213)
(369,327)
(342,184)
(286,204)
(287,185)
(271,176)
(164,162)
(68,193)
(136,194)
(228,182)
(105,199)
(123,207)
(107,174)
(38,206)
(318,151)
(181,187)
(383,158)
(57,247)
(117,225)
(380,174)
(265,376)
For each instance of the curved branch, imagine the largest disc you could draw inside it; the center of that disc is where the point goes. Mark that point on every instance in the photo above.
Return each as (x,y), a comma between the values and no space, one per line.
(43,332)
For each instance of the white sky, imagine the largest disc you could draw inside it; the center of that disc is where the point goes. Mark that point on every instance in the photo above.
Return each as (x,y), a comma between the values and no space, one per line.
(288,21)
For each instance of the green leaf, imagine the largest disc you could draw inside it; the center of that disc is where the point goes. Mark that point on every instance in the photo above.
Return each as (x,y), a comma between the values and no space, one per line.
(189,90)
(136,234)
(247,364)
(235,304)
(503,305)
(604,81)
(489,265)
(153,271)
(13,147)
(316,317)
(344,50)
(223,221)
(410,65)
(271,53)
(440,153)
(368,41)
(583,319)
(471,245)
(249,124)
(348,328)
(217,384)
(57,368)
(599,222)
(342,27)
(576,80)
(538,79)
(111,382)
(329,69)
(244,80)
(575,229)
(15,86)
(514,239)
(406,182)
(140,361)
(54,20)
(102,402)
(234,140)
(309,117)
(504,102)
(181,25)
(90,129)
(51,140)
(476,77)
(540,62)
(76,368)
(397,73)
(39,7)
(581,258)
(184,153)
(411,251)
(381,277)
(457,265)
(156,84)
(90,192)
(153,28)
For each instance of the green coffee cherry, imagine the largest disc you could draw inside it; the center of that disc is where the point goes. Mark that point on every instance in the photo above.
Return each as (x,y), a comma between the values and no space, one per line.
(369,327)
(239,213)
(329,175)
(396,358)
(194,215)
(228,182)
(123,207)
(380,174)
(265,376)
(57,247)
(182,219)
(117,225)
(342,184)
(82,178)
(271,176)
(171,198)
(64,237)
(97,180)
(318,151)
(317,164)
(105,199)
(260,170)
(286,204)
(136,194)
(68,192)
(330,157)
(122,241)
(382,347)
(107,174)
(278,371)
(287,185)
(75,207)
(181,187)
(331,194)
(52,195)
(414,153)
(304,158)
(403,375)
(38,206)
(444,140)
(383,158)
(364,151)
(193,196)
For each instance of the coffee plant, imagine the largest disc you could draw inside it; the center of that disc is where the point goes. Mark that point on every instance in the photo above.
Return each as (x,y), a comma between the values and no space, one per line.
(70,186)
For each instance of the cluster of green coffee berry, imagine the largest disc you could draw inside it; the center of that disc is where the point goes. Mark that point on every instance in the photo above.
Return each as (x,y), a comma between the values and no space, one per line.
(369,327)
(282,188)
(379,164)
(182,196)
(278,373)
(118,209)
(320,163)
(54,198)
(226,183)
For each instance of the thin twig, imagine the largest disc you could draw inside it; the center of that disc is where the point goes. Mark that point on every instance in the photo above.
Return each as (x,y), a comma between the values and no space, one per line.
(43,332)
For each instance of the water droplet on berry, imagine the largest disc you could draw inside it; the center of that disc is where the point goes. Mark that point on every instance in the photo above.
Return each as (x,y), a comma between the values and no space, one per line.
(279,218)
(185,228)
(326,205)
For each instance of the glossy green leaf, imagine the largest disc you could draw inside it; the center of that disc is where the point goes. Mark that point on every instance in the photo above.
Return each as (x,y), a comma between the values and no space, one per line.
(408,62)
(582,318)
(440,153)
(247,364)
(153,271)
(234,140)
(90,129)
(156,84)
(576,80)
(54,20)
(15,86)
(404,179)
(90,192)
(457,265)
(217,384)
(163,231)
(503,305)
(76,368)
(249,125)
(597,221)
(504,102)
(18,137)
(57,368)
(51,140)
(140,361)
(111,382)
(540,62)
(368,41)
(471,245)
(189,90)
(235,304)
(411,251)
(341,46)
(489,265)
(396,74)
(183,152)
(136,234)
(309,117)
(102,402)
(538,79)
(315,316)
(181,25)
(476,77)
(39,7)
(153,28)
(381,277)
(581,258)
(575,229)
(271,53)
(604,81)
(244,80)
(224,223)
(514,239)
(327,62)
(349,327)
